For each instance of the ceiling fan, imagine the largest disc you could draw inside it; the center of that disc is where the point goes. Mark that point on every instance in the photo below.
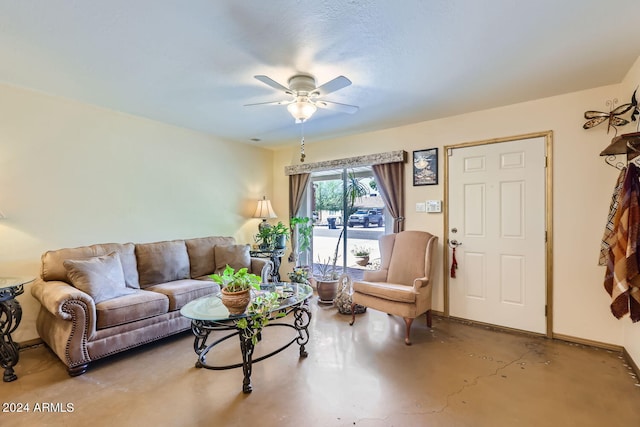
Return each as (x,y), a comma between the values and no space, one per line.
(306,97)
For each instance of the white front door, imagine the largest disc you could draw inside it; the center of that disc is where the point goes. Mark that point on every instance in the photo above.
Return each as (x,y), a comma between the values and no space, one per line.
(497,213)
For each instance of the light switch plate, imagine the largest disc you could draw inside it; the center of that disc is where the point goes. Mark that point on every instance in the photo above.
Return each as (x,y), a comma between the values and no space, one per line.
(421,207)
(434,205)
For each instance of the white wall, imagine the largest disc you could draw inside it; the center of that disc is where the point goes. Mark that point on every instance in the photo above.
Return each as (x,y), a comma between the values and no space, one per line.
(582,186)
(73,174)
(631,330)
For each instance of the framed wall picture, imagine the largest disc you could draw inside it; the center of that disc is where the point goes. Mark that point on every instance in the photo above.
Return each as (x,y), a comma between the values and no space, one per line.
(425,167)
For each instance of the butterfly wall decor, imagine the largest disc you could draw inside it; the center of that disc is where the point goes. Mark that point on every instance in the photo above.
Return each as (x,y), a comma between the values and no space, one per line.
(594,118)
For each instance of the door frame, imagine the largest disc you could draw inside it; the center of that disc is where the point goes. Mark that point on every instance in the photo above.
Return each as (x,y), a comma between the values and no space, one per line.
(548,141)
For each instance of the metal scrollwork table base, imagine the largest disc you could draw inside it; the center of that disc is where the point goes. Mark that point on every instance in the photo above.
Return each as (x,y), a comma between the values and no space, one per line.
(208,315)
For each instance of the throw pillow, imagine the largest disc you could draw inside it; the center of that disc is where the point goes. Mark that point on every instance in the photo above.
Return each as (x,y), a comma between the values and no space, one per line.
(101,277)
(236,256)
(162,262)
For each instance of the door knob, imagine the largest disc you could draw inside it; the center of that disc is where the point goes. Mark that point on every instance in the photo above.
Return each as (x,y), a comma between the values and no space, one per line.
(454,243)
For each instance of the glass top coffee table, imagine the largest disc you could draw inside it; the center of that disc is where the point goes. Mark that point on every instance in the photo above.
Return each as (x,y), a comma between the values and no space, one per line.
(208,314)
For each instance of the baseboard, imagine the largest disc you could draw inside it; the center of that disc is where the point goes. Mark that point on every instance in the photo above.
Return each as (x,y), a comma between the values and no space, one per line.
(631,362)
(30,343)
(560,337)
(495,327)
(589,343)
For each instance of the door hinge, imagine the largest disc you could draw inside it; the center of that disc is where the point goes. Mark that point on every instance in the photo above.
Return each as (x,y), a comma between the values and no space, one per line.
(545,236)
(546,311)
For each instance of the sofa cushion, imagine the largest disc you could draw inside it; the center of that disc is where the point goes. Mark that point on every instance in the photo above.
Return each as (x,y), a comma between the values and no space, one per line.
(201,253)
(101,277)
(53,269)
(129,308)
(162,262)
(236,256)
(181,292)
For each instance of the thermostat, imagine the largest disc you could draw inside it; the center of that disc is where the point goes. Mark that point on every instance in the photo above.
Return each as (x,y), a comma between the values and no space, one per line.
(434,205)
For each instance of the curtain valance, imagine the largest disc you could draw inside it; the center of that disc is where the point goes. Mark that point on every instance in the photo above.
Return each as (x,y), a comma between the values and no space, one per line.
(366,160)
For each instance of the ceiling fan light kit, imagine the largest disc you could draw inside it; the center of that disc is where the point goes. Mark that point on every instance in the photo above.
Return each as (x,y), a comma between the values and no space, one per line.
(301,109)
(306,98)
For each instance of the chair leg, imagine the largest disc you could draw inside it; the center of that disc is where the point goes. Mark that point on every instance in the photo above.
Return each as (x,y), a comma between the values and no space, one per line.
(353,313)
(408,323)
(429,319)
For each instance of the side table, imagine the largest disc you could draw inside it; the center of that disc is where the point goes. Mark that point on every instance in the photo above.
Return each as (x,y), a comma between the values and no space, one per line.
(10,316)
(275,255)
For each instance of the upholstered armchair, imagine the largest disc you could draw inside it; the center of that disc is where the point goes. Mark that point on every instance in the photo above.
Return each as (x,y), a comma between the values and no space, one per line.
(403,285)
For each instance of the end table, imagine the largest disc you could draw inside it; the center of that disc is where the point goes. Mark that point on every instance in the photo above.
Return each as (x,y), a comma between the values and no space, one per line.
(10,316)
(275,255)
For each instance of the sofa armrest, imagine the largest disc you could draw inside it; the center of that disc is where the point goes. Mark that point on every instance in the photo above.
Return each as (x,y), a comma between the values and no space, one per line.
(262,267)
(375,275)
(65,302)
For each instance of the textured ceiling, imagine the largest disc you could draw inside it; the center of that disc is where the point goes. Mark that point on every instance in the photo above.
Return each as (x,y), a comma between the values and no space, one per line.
(191,63)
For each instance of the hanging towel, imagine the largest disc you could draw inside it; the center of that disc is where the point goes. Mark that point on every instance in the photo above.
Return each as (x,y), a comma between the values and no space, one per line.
(454,263)
(609,228)
(622,278)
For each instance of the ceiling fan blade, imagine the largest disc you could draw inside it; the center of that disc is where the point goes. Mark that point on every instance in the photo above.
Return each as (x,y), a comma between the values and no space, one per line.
(332,86)
(284,102)
(343,108)
(274,84)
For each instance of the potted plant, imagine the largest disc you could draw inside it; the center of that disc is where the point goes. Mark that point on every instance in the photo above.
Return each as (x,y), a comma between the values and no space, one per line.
(279,235)
(327,276)
(236,288)
(362,254)
(264,239)
(258,316)
(299,275)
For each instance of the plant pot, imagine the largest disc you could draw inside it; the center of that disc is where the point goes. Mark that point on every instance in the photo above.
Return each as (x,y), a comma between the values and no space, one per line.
(327,290)
(362,260)
(236,302)
(280,241)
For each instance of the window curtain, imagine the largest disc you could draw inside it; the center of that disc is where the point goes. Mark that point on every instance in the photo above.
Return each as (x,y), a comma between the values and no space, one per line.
(390,178)
(297,185)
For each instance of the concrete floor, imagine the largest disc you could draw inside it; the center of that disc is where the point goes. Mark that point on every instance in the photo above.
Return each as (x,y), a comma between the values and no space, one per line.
(453,375)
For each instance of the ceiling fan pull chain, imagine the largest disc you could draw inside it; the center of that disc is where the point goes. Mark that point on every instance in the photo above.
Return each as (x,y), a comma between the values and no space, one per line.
(302,155)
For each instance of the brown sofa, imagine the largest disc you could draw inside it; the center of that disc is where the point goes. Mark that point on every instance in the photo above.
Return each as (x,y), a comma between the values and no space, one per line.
(103,299)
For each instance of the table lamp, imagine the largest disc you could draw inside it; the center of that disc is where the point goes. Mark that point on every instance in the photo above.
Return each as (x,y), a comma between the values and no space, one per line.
(264,211)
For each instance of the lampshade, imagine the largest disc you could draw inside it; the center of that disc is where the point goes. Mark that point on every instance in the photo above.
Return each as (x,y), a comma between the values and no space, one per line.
(264,209)
(302,109)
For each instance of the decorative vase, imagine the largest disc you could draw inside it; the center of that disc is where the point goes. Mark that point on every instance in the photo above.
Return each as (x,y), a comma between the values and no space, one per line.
(362,260)
(327,290)
(236,302)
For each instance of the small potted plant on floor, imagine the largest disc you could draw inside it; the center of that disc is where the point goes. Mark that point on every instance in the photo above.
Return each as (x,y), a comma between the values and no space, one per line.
(327,275)
(236,288)
(299,275)
(326,279)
